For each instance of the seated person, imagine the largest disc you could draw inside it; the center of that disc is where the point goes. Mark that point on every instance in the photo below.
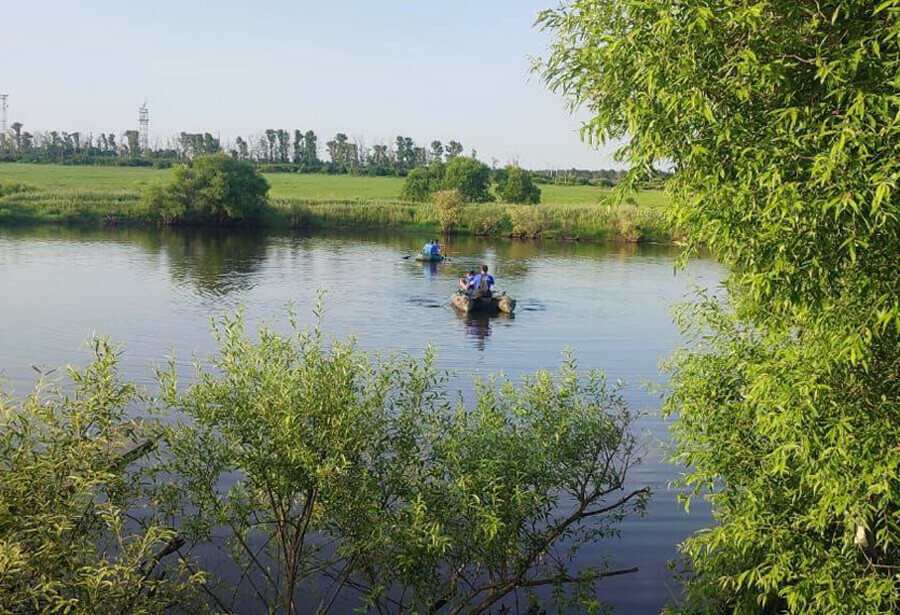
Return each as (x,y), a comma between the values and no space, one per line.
(481,284)
(466,280)
(435,247)
(428,248)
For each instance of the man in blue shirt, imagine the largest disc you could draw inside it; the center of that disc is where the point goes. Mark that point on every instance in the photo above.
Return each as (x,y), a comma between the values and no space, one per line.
(481,284)
(428,248)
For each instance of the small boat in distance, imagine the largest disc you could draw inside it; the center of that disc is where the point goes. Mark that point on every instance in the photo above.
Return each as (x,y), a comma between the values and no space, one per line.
(430,258)
(497,302)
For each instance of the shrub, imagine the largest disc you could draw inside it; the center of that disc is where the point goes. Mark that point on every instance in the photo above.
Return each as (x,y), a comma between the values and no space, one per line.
(289,443)
(65,542)
(416,186)
(470,177)
(448,204)
(215,188)
(517,186)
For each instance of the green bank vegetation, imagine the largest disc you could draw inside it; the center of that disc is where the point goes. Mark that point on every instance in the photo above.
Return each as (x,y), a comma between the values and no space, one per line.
(782,120)
(301,459)
(104,195)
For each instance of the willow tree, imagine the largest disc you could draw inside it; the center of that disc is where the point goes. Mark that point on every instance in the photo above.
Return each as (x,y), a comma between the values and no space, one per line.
(781,122)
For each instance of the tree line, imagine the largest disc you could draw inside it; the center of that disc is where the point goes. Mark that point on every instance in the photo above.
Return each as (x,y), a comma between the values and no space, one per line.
(272,150)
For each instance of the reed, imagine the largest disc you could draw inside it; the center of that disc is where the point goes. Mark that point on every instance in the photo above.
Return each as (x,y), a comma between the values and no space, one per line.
(629,221)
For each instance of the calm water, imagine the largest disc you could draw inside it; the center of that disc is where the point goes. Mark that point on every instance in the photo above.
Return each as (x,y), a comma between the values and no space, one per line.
(152,291)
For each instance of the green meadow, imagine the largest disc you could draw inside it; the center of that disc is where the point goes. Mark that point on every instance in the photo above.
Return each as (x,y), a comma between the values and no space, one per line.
(91,195)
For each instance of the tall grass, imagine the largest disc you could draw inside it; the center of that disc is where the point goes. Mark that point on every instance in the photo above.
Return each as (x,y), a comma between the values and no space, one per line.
(626,222)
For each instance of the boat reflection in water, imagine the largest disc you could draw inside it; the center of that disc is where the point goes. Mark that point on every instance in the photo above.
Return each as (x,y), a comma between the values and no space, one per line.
(478,325)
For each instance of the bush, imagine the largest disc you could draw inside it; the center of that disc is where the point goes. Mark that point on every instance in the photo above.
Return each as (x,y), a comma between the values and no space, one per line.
(289,443)
(215,188)
(449,205)
(470,177)
(517,186)
(65,542)
(416,186)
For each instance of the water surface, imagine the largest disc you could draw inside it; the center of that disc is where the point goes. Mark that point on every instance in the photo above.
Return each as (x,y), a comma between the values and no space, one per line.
(155,290)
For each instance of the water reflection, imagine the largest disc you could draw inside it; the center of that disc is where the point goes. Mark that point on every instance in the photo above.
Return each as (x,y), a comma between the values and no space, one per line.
(478,325)
(215,263)
(430,268)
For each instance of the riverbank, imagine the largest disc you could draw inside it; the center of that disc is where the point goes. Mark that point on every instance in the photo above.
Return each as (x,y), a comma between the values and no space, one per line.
(112,196)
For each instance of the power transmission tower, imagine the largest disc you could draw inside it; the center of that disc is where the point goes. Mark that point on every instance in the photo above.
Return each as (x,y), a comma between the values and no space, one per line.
(144,127)
(4,104)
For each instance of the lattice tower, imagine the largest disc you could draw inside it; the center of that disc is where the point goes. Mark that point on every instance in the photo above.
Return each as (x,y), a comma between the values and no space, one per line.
(144,127)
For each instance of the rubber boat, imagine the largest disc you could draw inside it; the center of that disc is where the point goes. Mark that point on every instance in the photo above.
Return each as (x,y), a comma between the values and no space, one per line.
(498,302)
(430,258)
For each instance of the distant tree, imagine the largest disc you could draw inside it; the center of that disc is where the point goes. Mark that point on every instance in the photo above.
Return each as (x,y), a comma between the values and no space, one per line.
(284,144)
(437,151)
(216,189)
(270,145)
(518,187)
(340,152)
(420,157)
(131,136)
(417,186)
(405,153)
(17,135)
(453,149)
(380,161)
(471,177)
(310,156)
(242,151)
(298,147)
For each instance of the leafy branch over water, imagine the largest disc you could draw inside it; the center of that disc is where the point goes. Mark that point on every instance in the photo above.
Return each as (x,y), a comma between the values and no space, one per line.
(320,475)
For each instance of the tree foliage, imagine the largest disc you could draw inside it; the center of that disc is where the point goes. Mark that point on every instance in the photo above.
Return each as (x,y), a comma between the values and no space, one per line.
(314,461)
(781,121)
(66,544)
(215,188)
(516,186)
(449,207)
(420,183)
(470,177)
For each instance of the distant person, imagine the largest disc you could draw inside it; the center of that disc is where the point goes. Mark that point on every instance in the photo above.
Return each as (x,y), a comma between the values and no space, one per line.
(466,280)
(435,247)
(482,284)
(428,248)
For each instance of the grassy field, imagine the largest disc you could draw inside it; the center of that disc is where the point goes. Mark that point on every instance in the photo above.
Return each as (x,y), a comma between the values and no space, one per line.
(91,195)
(58,178)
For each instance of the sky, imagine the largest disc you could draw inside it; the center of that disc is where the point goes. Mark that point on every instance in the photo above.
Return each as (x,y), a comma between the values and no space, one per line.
(428,69)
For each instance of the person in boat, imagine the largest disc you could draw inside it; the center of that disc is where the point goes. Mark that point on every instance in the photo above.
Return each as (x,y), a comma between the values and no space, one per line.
(482,284)
(428,248)
(435,247)
(466,280)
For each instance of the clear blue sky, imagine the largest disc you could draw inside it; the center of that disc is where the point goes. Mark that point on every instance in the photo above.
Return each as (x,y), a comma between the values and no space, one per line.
(427,69)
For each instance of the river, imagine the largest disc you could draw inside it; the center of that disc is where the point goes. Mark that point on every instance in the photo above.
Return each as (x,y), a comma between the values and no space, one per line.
(155,290)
